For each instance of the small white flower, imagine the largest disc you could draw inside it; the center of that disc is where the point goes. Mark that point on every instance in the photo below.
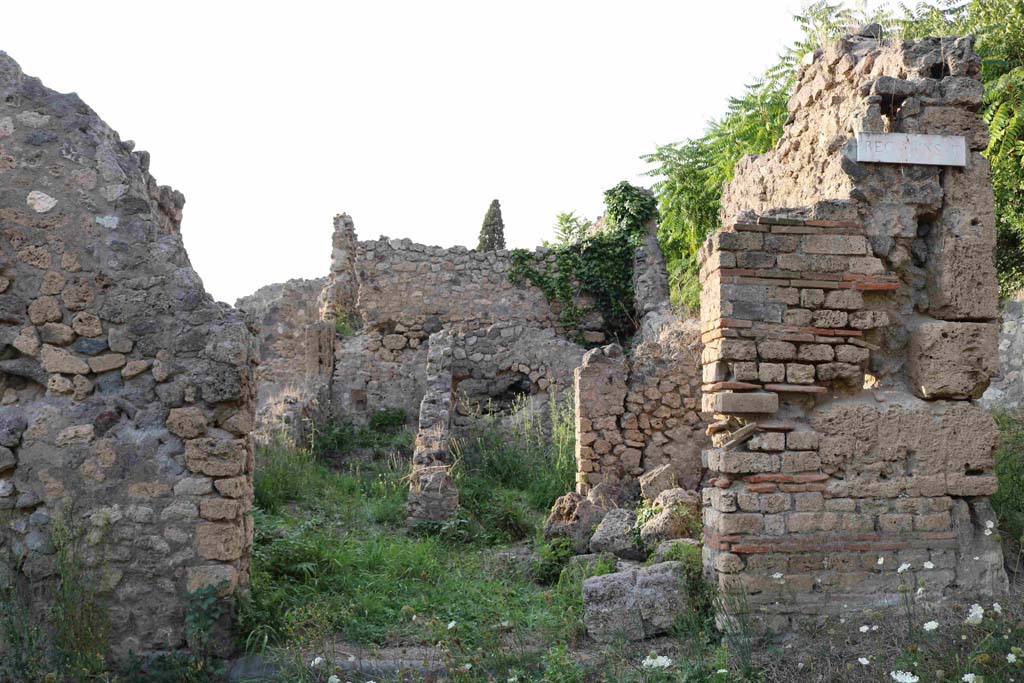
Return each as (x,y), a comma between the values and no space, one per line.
(988,532)
(512,679)
(1011,658)
(316,663)
(467,666)
(975,616)
(865,628)
(777,575)
(881,560)
(722,671)
(451,625)
(903,677)
(655,661)
(863,661)
(903,567)
(969,678)
(997,608)
(351,658)
(929,565)
(990,524)
(334,679)
(930,625)
(919,591)
(874,628)
(800,665)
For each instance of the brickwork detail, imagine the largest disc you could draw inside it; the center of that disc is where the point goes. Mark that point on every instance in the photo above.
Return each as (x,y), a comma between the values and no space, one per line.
(847,313)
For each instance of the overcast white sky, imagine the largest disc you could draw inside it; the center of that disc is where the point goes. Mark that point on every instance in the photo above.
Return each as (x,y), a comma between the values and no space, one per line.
(410,116)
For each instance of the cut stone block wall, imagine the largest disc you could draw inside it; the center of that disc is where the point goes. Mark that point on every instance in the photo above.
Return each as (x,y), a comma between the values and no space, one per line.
(848,311)
(127,392)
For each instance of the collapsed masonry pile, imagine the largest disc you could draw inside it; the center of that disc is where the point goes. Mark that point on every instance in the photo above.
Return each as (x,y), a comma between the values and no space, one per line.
(127,393)
(845,341)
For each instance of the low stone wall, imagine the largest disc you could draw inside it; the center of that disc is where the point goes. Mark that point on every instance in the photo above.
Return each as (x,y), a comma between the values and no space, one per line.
(635,414)
(127,392)
(848,319)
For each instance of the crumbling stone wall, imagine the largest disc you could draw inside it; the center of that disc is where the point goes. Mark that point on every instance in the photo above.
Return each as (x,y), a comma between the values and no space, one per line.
(508,337)
(296,357)
(637,413)
(1006,391)
(847,312)
(433,496)
(127,392)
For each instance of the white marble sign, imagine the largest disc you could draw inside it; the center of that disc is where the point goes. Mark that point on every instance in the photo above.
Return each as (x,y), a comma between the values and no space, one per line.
(904,148)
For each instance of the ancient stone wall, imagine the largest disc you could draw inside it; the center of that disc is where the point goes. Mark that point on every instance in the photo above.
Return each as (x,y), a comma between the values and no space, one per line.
(127,392)
(433,496)
(507,338)
(1006,391)
(848,314)
(296,357)
(637,413)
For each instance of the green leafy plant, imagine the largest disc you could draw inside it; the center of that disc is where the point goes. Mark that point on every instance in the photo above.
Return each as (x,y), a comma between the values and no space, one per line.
(81,624)
(593,265)
(24,643)
(552,557)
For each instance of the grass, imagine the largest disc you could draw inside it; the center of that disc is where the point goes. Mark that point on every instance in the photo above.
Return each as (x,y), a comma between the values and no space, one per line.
(1008,501)
(334,568)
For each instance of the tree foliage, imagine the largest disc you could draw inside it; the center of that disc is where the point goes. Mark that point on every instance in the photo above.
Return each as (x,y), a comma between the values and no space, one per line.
(492,232)
(690,174)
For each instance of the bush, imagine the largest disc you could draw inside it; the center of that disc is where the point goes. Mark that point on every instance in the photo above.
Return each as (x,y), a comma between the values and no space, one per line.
(552,557)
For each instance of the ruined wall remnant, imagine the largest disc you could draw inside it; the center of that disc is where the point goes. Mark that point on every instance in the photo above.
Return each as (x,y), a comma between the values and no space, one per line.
(508,337)
(636,413)
(1006,392)
(848,315)
(127,392)
(296,357)
(432,493)
(341,290)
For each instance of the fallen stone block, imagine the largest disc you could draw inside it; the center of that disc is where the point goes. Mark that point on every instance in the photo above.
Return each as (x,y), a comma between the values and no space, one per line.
(617,534)
(573,517)
(633,604)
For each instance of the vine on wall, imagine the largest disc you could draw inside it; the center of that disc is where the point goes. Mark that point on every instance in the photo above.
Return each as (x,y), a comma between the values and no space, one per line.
(594,266)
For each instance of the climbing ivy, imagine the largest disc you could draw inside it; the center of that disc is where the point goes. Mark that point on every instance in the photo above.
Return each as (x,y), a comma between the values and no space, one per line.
(596,265)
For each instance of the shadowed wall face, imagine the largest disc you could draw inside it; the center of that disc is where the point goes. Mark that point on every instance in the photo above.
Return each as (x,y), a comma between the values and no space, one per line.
(848,313)
(127,392)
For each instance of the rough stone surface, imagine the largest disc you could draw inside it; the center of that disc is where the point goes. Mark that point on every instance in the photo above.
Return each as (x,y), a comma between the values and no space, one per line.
(616,534)
(952,359)
(633,604)
(433,496)
(96,279)
(573,517)
(872,285)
